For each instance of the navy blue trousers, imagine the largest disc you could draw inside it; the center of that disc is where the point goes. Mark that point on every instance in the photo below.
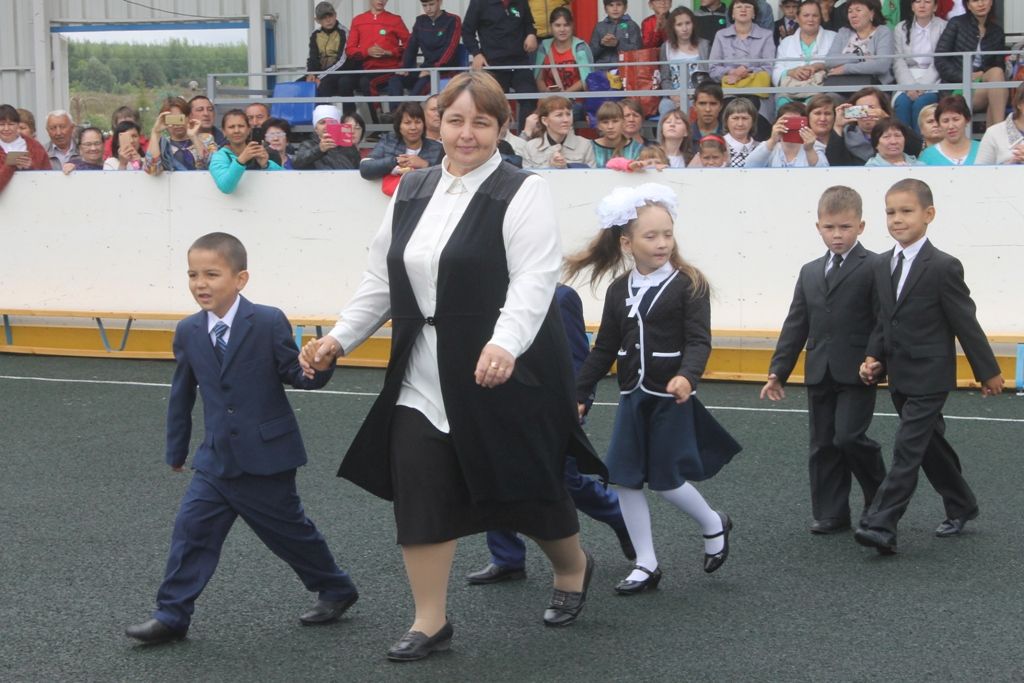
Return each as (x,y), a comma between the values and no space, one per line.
(591,498)
(271,507)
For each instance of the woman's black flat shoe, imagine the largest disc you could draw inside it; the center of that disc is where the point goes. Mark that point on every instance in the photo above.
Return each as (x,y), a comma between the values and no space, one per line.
(713,562)
(416,645)
(566,606)
(627,587)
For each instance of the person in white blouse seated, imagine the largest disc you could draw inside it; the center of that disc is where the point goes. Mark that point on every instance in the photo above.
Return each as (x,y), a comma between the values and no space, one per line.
(1003,143)
(917,35)
(472,426)
(800,59)
(889,138)
(782,149)
(555,144)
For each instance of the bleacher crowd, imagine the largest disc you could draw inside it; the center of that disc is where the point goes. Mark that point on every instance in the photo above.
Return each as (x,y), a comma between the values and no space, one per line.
(722,54)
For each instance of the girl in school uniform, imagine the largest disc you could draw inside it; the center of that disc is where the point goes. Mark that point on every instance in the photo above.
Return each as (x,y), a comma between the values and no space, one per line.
(656,324)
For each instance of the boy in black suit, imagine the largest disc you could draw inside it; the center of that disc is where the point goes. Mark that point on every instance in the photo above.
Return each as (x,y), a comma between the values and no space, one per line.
(238,354)
(924,303)
(833,312)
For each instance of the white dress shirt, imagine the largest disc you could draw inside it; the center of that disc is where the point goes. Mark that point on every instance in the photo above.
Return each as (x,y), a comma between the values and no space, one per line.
(908,259)
(228,319)
(533,253)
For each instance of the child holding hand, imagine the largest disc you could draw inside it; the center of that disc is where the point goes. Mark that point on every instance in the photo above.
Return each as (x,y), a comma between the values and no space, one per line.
(656,324)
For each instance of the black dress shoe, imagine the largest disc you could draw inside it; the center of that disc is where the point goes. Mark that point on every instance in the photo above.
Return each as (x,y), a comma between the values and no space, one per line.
(713,562)
(566,606)
(627,587)
(952,527)
(626,543)
(154,631)
(494,573)
(829,526)
(326,611)
(882,541)
(416,645)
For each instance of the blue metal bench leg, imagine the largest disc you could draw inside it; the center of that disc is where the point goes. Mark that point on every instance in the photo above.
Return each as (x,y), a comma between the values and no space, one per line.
(298,337)
(106,342)
(8,333)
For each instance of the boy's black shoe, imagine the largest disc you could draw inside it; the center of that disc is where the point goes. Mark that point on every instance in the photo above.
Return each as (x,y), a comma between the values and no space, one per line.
(326,611)
(154,631)
(882,541)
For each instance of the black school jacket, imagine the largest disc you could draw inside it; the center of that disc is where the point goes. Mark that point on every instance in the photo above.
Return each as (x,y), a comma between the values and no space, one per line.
(914,336)
(672,337)
(835,322)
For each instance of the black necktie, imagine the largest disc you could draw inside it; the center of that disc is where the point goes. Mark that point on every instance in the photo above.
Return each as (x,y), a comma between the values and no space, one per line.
(833,273)
(897,273)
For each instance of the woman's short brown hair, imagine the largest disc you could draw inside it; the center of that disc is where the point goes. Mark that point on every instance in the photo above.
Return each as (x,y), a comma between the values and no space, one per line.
(820,100)
(876,10)
(953,104)
(411,109)
(28,119)
(183,106)
(548,105)
(487,95)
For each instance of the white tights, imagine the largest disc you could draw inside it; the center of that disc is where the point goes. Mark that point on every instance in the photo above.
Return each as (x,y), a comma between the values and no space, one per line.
(637,516)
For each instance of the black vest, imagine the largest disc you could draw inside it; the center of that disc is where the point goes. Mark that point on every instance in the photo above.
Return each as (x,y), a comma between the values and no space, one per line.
(511,440)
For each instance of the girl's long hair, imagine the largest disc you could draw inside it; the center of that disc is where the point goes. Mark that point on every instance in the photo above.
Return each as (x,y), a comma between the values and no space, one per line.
(604,256)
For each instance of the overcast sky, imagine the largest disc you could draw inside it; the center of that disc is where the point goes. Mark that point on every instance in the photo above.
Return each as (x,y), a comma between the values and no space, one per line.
(201,37)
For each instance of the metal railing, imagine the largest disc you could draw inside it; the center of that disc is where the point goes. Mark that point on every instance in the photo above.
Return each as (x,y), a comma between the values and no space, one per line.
(437,74)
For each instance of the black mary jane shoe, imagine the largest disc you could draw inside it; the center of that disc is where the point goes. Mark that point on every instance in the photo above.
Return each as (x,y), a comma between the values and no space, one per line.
(565,606)
(713,562)
(627,587)
(417,645)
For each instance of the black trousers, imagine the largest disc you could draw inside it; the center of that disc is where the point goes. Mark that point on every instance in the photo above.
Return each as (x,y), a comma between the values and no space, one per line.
(520,81)
(920,444)
(840,415)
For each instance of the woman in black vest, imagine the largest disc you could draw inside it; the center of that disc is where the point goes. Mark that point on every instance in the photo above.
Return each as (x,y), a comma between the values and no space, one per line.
(476,413)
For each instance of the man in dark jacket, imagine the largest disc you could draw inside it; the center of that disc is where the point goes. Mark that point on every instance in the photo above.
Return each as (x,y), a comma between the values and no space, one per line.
(436,34)
(500,33)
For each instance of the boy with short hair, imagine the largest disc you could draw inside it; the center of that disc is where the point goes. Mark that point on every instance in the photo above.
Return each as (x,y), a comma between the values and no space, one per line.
(238,354)
(326,50)
(833,313)
(614,34)
(707,102)
(923,304)
(436,34)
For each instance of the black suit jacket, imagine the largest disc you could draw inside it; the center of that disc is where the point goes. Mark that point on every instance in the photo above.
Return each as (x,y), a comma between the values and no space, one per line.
(914,335)
(834,322)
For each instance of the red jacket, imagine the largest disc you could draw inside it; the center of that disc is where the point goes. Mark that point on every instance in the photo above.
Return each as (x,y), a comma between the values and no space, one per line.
(652,37)
(36,153)
(386,30)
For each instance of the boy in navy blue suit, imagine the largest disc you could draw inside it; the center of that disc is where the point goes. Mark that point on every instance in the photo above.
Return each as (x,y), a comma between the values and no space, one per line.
(508,552)
(239,354)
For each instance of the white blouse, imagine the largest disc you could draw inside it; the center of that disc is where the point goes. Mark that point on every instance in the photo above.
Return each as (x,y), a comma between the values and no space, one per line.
(533,252)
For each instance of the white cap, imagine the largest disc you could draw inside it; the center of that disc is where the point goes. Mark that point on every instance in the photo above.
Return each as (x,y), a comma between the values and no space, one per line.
(326,111)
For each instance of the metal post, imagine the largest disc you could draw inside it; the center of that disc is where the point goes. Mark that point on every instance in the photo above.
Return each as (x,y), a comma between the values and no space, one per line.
(257,46)
(41,58)
(967,69)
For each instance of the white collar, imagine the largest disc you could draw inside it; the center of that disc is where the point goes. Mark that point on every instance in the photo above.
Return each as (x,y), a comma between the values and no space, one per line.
(910,252)
(16,145)
(228,319)
(472,180)
(638,279)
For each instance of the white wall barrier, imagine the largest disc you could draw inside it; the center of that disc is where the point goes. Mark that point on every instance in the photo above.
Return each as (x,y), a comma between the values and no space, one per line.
(117,241)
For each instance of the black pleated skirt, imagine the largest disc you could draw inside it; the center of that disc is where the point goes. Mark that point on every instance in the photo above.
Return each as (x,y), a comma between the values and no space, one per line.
(433,504)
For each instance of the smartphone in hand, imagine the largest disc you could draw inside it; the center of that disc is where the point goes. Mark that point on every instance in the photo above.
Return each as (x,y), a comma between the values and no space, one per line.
(793,126)
(256,135)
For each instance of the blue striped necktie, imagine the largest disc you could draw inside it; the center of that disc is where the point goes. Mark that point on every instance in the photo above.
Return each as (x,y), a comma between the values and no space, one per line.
(221,345)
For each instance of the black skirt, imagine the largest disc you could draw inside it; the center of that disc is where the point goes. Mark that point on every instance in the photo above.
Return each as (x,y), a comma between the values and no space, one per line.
(433,503)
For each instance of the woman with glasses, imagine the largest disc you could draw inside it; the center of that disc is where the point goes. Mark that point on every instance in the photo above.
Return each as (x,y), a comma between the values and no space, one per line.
(90,151)
(275,133)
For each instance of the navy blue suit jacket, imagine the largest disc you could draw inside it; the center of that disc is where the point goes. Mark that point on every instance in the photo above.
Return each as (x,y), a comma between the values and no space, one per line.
(250,426)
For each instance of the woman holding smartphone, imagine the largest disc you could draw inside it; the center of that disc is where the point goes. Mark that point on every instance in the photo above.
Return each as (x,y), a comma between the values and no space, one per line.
(179,145)
(241,154)
(792,143)
(18,152)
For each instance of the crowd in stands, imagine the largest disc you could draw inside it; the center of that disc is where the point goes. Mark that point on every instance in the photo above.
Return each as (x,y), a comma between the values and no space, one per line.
(725,122)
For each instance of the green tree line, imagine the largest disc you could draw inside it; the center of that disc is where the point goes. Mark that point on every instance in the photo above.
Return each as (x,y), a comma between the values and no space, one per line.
(122,67)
